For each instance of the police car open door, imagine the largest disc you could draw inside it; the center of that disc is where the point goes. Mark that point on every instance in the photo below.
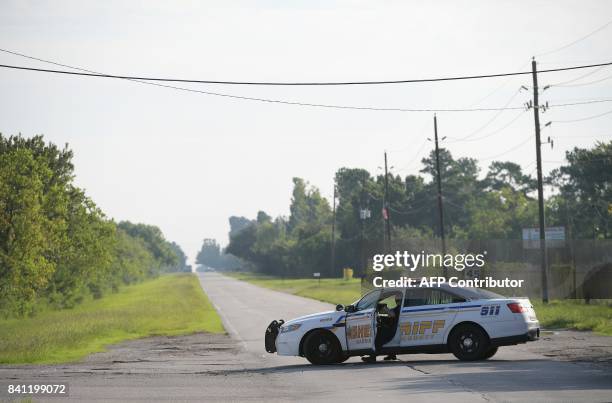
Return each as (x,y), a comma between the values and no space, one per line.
(361,324)
(427,313)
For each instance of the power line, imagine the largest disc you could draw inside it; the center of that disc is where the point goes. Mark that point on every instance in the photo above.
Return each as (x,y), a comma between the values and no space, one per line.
(274,83)
(576,41)
(583,119)
(499,87)
(588,136)
(521,144)
(496,131)
(347,107)
(294,103)
(411,212)
(495,116)
(590,73)
(583,84)
(581,161)
(410,146)
(414,158)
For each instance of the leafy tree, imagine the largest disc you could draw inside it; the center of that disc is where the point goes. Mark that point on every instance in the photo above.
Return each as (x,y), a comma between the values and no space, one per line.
(182,265)
(585,191)
(508,174)
(496,207)
(55,244)
(25,267)
(156,243)
(237,224)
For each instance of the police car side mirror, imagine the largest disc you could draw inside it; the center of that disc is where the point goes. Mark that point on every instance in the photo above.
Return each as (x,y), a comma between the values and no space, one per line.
(339,307)
(349,308)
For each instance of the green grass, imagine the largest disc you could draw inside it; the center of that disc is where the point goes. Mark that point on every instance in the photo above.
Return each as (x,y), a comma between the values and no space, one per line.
(169,305)
(575,315)
(555,315)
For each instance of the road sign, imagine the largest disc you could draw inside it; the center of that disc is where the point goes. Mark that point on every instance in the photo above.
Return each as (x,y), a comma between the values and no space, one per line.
(316,274)
(555,237)
(365,213)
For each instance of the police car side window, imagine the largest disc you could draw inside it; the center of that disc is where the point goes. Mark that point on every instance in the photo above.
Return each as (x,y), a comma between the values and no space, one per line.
(419,296)
(415,297)
(442,297)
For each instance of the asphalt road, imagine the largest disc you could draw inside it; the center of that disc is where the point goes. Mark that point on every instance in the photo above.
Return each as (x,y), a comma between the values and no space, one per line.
(204,367)
(515,374)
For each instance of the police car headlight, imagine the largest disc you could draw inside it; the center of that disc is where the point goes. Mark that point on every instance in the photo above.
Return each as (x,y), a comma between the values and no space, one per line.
(290,328)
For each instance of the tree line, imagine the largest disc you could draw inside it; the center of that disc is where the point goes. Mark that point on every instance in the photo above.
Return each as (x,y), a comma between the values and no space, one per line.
(56,246)
(496,205)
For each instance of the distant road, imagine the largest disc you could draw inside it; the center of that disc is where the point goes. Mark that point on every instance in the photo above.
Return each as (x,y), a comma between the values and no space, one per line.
(515,373)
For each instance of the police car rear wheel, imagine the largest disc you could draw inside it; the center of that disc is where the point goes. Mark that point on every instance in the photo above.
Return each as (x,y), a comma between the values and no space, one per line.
(321,347)
(469,343)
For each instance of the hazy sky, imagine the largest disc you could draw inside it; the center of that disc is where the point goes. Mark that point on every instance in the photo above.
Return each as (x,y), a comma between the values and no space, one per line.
(186,161)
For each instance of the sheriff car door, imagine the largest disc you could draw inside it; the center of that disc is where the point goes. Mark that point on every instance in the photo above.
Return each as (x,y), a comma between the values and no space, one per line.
(361,324)
(427,313)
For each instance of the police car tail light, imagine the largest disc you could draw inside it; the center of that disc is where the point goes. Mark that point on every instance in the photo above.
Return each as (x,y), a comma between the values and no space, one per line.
(515,307)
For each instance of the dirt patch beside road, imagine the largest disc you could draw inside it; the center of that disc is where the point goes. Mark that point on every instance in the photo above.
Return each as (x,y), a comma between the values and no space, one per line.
(197,367)
(575,346)
(199,353)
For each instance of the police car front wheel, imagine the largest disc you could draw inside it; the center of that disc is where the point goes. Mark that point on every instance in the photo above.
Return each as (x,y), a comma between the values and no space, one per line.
(321,347)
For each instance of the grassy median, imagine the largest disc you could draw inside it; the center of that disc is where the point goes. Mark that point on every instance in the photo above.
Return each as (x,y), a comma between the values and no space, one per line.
(169,305)
(555,315)
(577,315)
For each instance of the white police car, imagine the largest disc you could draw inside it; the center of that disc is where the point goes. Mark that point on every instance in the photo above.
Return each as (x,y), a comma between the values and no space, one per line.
(469,322)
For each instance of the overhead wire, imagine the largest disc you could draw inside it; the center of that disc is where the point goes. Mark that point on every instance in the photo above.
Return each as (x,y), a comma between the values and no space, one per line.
(493,133)
(414,158)
(590,73)
(607,24)
(411,212)
(583,119)
(495,116)
(499,87)
(85,72)
(583,84)
(144,80)
(521,144)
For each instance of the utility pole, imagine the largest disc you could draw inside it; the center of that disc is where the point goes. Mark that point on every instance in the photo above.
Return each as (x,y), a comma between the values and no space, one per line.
(364,214)
(386,214)
(333,236)
(536,116)
(440,204)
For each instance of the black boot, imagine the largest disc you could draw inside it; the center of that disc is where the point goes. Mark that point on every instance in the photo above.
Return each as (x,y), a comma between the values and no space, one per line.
(390,357)
(368,358)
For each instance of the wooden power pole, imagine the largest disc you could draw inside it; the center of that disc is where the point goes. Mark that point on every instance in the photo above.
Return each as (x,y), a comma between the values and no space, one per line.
(387,215)
(536,116)
(440,203)
(333,235)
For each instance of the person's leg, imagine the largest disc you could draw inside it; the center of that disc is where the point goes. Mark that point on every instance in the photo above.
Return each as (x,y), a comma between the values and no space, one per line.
(369,358)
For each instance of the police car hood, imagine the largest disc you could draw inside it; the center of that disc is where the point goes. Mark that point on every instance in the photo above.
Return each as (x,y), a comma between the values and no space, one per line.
(321,315)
